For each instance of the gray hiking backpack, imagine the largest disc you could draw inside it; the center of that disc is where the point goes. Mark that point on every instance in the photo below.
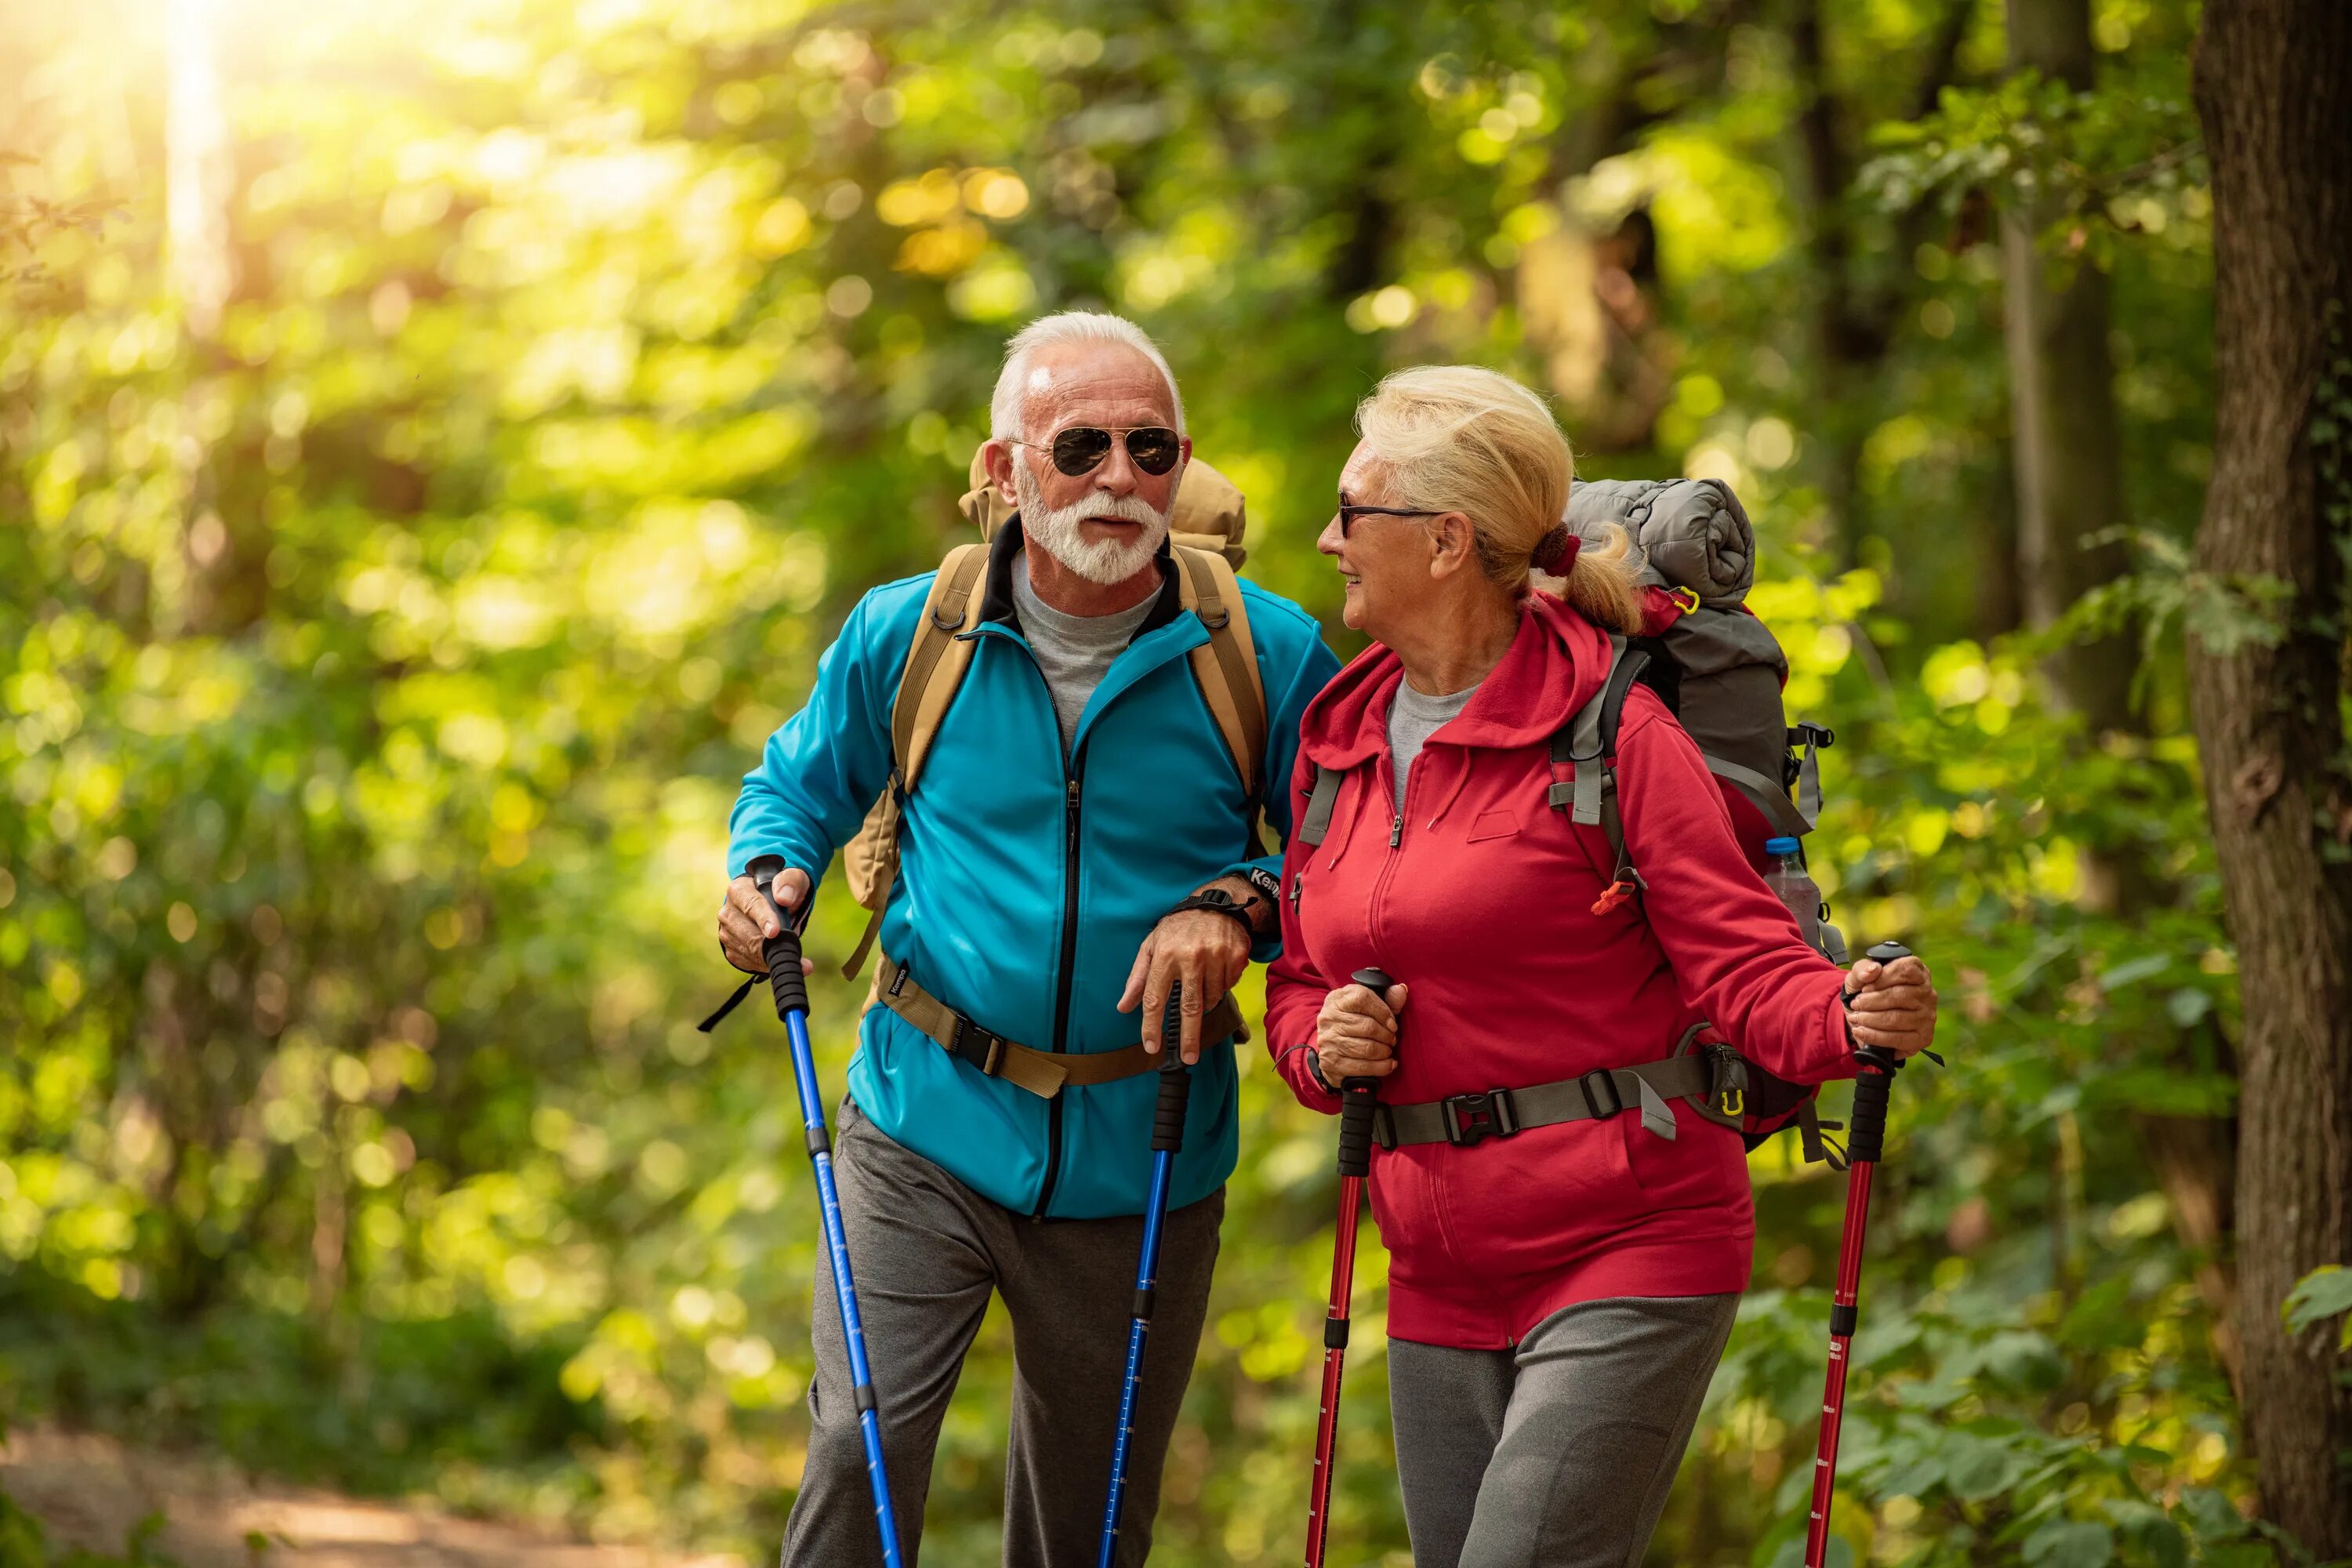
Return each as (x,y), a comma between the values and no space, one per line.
(1719,670)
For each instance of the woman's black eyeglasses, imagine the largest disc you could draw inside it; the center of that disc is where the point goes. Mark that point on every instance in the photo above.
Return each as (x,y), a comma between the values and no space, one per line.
(1081,449)
(1350,512)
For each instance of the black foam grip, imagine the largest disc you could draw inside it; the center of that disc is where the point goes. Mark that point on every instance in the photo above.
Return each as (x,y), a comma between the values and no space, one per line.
(1175,1083)
(1168,1115)
(784,976)
(1866,1138)
(783,953)
(1356,1108)
(1356,1095)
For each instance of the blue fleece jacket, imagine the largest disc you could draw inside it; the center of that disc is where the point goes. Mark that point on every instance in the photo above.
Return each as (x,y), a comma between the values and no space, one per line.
(1026,886)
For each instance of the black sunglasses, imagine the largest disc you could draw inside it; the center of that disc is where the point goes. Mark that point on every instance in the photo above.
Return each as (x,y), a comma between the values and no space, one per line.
(1350,512)
(1081,449)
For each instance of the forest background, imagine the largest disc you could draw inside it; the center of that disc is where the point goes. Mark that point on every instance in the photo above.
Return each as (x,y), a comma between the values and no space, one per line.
(438,436)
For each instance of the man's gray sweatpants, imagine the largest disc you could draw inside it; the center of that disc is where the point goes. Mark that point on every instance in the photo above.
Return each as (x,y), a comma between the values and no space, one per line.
(926,1252)
(1561,1452)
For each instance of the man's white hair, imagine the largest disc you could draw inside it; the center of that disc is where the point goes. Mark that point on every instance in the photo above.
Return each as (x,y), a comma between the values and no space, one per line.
(1051,332)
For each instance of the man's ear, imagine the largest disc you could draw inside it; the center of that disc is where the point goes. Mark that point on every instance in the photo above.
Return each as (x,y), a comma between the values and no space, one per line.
(998,455)
(1454,544)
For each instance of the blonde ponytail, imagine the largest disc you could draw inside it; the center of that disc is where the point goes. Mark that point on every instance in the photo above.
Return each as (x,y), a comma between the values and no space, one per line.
(1464,438)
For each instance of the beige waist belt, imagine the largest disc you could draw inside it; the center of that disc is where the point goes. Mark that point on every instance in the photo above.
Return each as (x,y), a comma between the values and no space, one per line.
(1041,1073)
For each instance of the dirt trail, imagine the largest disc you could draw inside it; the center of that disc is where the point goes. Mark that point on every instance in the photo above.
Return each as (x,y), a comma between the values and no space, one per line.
(91,1491)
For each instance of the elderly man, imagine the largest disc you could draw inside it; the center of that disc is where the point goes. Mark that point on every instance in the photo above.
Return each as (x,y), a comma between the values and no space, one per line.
(1078,841)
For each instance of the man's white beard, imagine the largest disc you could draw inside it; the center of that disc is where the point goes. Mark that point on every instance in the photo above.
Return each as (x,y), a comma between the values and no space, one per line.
(1059,531)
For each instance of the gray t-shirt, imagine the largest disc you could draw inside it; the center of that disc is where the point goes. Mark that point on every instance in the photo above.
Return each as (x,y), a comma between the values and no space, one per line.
(1073,651)
(1414,717)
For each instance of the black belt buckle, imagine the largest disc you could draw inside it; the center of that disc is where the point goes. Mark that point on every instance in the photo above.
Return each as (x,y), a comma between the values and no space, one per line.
(977,1045)
(1474,1117)
(1592,1101)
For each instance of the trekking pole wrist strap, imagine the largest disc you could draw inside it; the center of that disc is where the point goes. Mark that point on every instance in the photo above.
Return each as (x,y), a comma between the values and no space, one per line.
(1216,900)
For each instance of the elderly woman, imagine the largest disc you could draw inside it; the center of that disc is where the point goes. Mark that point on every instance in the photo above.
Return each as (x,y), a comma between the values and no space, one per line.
(1559,1294)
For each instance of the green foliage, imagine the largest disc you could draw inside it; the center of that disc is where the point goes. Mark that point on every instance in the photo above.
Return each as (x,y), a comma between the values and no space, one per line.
(376,675)
(2322,1294)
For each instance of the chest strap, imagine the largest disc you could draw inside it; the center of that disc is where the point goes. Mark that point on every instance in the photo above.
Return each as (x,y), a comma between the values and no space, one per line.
(1467,1119)
(1041,1073)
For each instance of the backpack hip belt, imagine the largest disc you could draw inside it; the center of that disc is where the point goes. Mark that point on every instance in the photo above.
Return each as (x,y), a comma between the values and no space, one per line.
(1042,1073)
(1464,1120)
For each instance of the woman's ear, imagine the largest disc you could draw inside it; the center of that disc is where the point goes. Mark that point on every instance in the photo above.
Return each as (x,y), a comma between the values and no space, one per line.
(1454,544)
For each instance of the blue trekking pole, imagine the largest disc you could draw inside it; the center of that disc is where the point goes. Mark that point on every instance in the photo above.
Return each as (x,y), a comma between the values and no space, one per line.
(791,987)
(1166,1141)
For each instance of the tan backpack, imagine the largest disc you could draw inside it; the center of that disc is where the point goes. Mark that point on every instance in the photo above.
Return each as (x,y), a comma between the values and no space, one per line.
(1206,539)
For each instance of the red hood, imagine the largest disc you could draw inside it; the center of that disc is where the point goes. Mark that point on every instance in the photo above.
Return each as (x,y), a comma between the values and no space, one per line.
(1555,666)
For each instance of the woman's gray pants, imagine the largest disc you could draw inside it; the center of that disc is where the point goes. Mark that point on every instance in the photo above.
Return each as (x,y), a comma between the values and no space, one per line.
(1561,1452)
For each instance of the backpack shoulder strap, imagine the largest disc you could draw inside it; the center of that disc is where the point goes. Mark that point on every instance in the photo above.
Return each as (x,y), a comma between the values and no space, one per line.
(1587,746)
(1226,665)
(1316,823)
(1586,742)
(935,660)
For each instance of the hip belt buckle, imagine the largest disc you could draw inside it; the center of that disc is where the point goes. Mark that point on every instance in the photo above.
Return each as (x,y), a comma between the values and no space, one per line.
(979,1046)
(1592,1102)
(1474,1117)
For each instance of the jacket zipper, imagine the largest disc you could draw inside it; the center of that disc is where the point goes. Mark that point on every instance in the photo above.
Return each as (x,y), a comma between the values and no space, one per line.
(1070,808)
(1388,868)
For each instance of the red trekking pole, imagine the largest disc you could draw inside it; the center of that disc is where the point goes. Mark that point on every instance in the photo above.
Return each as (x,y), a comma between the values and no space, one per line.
(1867,1141)
(1356,1108)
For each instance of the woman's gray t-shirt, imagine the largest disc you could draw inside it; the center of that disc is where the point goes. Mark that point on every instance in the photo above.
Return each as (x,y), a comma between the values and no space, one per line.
(1414,717)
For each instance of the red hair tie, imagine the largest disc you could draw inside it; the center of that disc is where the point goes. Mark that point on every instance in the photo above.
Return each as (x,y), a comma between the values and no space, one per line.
(1555,553)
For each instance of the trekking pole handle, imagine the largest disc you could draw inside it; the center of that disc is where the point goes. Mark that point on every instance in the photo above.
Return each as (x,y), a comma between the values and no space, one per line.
(1175,1082)
(782,951)
(1358,1105)
(1866,1141)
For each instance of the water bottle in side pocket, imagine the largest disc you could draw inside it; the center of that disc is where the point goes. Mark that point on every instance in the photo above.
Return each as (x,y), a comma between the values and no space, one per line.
(1785,874)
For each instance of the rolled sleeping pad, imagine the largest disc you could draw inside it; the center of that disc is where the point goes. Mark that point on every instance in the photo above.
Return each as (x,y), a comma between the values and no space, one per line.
(1692,533)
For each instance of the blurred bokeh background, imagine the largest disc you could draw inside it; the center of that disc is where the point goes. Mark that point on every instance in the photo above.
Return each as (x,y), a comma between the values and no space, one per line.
(437,438)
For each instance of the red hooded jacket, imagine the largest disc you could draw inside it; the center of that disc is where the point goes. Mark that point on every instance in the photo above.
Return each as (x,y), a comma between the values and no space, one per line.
(1479,897)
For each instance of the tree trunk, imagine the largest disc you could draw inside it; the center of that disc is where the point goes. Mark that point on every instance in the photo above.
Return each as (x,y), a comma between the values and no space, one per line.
(1854,318)
(2069,447)
(2000,596)
(221,577)
(2068,465)
(2273,82)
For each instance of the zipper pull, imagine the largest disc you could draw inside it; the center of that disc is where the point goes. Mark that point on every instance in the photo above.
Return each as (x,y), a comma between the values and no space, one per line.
(1396,831)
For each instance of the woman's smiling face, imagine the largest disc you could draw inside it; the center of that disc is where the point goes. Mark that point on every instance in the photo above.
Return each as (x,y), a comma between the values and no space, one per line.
(1384,561)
